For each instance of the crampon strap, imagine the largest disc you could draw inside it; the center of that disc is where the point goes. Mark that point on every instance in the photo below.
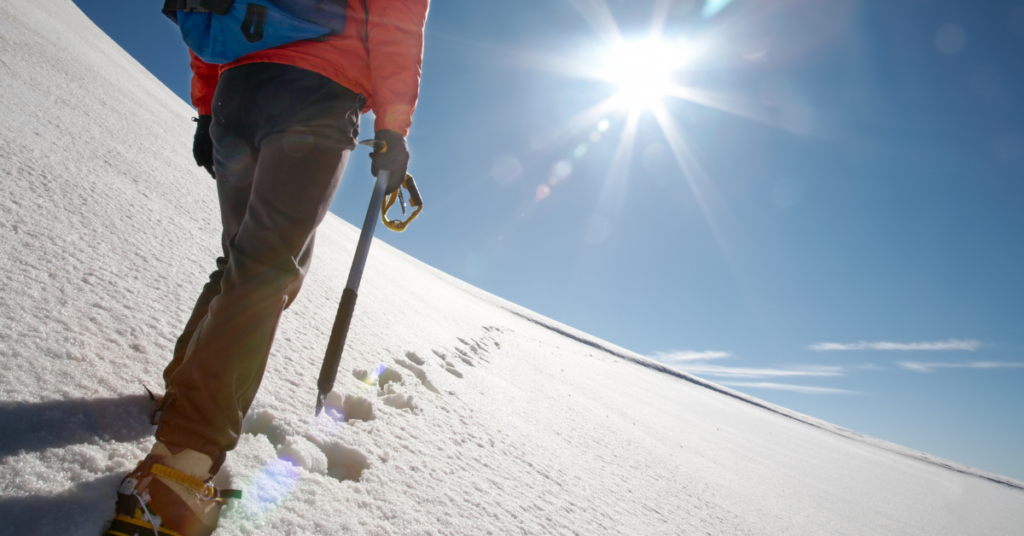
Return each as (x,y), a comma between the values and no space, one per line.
(389,200)
(123,525)
(133,517)
(205,490)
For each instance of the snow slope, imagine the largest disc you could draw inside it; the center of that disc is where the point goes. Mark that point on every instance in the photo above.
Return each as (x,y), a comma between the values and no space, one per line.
(492,420)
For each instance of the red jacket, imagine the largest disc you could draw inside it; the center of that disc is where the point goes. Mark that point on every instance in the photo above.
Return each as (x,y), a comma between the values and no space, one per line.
(380,55)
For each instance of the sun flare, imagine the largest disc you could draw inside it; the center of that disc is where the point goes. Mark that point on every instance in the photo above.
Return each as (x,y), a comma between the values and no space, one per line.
(644,70)
(647,73)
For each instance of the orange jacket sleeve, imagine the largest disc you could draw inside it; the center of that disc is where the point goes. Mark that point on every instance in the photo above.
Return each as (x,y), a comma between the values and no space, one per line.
(395,43)
(204,83)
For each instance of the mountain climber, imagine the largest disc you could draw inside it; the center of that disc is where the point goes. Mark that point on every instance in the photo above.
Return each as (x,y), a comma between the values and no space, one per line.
(275,129)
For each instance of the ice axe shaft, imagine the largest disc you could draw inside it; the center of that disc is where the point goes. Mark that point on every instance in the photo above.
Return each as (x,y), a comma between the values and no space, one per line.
(343,319)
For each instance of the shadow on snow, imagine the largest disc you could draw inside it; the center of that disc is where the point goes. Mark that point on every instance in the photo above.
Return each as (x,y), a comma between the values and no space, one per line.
(33,427)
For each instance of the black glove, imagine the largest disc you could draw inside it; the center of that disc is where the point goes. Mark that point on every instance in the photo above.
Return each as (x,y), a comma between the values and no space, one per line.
(394,160)
(202,144)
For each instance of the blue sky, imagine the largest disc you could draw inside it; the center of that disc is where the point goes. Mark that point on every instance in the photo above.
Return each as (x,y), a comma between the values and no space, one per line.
(832,223)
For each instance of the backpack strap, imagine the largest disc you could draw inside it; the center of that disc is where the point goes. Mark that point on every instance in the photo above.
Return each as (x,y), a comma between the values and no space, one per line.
(220,7)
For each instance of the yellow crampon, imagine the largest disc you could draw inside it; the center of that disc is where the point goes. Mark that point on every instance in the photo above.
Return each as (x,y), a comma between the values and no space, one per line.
(138,525)
(389,201)
(134,518)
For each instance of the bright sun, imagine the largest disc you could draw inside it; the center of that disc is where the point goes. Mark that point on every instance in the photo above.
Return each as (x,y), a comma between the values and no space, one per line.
(643,70)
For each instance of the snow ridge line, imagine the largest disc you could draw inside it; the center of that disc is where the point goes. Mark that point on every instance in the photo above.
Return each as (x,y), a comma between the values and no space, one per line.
(804,419)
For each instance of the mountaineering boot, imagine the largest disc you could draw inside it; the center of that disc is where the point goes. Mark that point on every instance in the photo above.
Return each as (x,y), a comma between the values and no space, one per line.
(170,494)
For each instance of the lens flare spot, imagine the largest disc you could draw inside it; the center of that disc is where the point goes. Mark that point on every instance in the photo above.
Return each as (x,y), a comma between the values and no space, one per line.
(714,7)
(657,159)
(543,191)
(595,137)
(268,489)
(297,141)
(603,125)
(580,150)
(950,39)
(562,169)
(506,170)
(233,154)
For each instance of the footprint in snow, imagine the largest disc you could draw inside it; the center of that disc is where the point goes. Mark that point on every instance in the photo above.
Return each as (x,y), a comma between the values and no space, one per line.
(350,407)
(345,463)
(479,349)
(332,459)
(264,422)
(386,379)
(394,399)
(418,372)
(340,461)
(415,358)
(381,376)
(447,365)
(464,357)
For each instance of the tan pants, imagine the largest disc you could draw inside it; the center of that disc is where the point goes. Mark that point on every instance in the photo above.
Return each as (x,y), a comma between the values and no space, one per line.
(282,137)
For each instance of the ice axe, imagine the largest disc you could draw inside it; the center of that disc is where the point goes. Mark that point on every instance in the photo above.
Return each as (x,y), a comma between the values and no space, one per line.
(343,318)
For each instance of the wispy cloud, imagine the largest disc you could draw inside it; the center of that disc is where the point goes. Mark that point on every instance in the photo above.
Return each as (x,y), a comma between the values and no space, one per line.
(803,389)
(930,367)
(681,356)
(695,362)
(968,345)
(719,371)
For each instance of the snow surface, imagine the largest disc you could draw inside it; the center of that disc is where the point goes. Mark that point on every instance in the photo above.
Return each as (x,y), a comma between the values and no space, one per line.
(466,414)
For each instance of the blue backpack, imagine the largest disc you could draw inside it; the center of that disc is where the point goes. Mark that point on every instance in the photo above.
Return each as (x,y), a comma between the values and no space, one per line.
(221,31)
